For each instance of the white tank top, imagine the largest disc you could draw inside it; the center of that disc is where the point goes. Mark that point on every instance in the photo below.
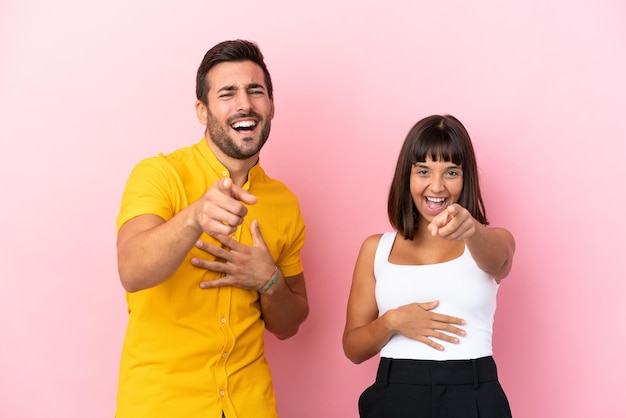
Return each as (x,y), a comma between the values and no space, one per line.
(462,289)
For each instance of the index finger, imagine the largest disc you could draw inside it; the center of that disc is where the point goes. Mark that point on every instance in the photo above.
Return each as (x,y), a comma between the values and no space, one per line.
(211,284)
(441,220)
(228,187)
(226,240)
(448,319)
(243,195)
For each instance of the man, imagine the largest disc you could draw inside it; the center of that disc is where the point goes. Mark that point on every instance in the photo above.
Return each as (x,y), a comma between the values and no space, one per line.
(209,253)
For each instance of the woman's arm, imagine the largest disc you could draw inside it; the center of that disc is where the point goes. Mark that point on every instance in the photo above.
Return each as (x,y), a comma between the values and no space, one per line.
(366,333)
(491,248)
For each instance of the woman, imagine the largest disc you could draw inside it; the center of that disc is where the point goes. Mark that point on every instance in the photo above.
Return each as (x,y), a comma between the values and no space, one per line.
(425,295)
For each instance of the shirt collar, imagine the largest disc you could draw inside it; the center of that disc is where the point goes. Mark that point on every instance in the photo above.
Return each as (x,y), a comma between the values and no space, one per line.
(219,169)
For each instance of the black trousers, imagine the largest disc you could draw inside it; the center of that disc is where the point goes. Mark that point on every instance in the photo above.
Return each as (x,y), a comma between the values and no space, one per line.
(435,389)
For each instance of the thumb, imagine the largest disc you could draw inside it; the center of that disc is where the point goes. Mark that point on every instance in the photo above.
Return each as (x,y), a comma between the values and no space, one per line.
(427,306)
(257,238)
(452,211)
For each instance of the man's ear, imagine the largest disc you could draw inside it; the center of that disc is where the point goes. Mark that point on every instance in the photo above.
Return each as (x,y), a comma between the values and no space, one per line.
(272,111)
(202,112)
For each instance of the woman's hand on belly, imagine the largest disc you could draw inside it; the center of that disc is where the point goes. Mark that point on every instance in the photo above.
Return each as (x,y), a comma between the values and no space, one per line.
(416,321)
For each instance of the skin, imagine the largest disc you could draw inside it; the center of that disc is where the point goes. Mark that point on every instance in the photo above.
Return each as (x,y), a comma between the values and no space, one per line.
(150,249)
(443,230)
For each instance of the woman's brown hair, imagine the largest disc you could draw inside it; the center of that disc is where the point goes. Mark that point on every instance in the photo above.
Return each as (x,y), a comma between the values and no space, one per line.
(442,138)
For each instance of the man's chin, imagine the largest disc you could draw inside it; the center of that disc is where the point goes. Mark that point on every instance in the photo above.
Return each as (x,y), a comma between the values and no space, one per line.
(244,152)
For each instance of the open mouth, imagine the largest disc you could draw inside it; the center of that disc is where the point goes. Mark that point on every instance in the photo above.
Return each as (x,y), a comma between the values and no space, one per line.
(244,126)
(435,203)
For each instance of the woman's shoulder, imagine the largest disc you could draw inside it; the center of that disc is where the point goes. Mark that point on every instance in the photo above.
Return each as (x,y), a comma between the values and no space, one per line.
(371,243)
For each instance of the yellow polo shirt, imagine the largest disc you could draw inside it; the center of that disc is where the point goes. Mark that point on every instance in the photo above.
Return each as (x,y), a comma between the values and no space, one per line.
(191,352)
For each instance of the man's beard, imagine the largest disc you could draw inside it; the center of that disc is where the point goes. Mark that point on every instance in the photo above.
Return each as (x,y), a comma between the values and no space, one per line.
(219,136)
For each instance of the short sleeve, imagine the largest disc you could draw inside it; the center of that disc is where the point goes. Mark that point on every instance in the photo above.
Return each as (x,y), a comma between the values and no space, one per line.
(149,190)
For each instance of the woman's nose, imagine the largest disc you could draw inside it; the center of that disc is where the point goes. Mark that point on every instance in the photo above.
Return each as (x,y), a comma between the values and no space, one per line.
(437,185)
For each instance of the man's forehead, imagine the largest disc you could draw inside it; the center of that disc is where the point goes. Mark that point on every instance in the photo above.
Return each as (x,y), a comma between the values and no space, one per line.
(240,74)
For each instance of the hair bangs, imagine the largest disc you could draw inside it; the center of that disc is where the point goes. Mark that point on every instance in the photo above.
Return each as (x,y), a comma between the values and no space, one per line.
(439,145)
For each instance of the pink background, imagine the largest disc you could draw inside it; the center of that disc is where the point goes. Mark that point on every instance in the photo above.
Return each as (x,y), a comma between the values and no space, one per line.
(87,89)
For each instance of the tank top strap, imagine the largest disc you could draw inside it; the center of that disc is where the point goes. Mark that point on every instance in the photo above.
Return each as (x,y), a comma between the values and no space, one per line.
(384,249)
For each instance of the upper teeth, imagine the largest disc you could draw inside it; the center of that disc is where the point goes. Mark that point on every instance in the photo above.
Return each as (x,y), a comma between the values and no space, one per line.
(436,199)
(244,124)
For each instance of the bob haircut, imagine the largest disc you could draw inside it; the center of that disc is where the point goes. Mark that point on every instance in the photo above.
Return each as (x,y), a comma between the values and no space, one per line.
(442,138)
(230,51)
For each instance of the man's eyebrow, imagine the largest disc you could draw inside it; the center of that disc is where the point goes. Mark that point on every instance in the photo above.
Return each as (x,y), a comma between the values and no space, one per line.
(233,87)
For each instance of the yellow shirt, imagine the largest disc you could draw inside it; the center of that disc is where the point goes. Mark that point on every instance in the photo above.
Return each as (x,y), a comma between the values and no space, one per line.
(191,352)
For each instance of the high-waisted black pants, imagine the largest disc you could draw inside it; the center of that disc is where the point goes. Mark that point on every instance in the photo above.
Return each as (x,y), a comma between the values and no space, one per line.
(435,389)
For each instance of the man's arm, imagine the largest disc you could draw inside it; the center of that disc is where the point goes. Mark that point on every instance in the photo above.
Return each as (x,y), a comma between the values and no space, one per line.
(285,306)
(150,249)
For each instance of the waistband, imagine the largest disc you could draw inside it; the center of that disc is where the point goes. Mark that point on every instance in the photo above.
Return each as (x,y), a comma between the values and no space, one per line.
(432,372)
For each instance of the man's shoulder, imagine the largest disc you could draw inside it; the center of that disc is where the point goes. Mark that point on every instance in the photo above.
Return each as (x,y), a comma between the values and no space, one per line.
(178,158)
(182,154)
(273,185)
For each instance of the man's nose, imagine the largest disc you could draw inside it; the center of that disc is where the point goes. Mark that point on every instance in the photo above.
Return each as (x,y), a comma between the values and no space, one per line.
(243,102)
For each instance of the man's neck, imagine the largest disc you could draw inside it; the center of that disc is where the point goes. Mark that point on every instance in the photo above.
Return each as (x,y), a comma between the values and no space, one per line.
(238,169)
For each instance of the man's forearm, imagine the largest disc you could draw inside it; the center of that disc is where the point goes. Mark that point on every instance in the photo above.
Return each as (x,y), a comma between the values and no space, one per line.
(151,249)
(285,306)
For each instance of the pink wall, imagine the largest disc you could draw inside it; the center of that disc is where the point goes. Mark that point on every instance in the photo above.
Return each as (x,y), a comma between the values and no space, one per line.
(87,89)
